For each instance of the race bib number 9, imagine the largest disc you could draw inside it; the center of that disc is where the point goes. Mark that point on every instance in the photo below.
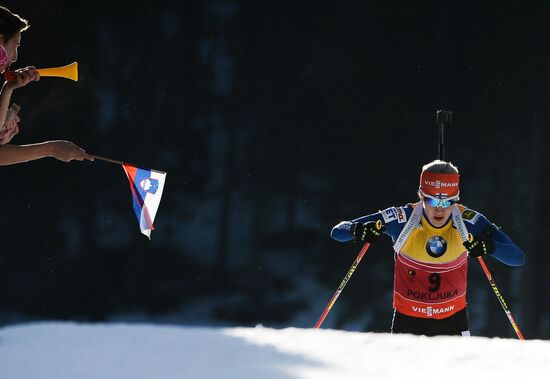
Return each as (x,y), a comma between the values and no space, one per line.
(425,291)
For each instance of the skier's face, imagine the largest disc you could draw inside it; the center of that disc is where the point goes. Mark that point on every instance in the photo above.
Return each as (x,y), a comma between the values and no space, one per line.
(437,216)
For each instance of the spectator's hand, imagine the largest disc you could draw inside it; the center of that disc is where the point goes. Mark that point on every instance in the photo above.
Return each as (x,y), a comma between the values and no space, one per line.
(67,151)
(22,77)
(479,245)
(10,128)
(368,231)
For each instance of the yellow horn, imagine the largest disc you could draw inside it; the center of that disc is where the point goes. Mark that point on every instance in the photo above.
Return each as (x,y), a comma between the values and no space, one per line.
(69,71)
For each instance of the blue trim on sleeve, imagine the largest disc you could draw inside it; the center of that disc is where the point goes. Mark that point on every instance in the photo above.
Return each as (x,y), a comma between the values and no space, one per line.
(342,232)
(505,251)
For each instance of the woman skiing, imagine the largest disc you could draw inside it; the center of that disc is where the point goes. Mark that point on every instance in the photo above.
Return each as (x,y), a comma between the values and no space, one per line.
(432,241)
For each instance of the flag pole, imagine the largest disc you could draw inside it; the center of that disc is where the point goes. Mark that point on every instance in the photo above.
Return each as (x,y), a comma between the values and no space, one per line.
(120,162)
(108,160)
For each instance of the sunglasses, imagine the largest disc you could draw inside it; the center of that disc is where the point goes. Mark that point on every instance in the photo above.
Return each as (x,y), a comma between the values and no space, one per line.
(443,203)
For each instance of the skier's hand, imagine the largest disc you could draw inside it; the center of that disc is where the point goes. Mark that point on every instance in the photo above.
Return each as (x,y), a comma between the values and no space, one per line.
(369,231)
(479,245)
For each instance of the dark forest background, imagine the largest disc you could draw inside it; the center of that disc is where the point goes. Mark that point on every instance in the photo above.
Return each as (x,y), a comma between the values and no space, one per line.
(274,120)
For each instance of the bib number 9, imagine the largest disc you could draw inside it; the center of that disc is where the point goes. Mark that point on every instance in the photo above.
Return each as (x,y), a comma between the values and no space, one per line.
(435,281)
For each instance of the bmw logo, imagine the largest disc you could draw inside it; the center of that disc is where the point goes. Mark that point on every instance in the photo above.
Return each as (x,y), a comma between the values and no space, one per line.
(436,246)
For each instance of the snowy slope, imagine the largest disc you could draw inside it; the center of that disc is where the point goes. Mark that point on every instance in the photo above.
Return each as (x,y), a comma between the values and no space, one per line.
(134,351)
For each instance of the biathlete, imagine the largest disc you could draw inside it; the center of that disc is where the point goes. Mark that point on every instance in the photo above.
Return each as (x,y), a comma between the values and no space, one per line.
(431,252)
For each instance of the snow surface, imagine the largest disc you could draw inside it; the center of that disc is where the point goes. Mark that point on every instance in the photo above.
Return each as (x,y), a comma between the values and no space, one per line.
(134,351)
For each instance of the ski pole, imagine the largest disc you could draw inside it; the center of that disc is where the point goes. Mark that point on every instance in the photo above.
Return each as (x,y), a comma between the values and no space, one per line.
(500,298)
(498,294)
(345,281)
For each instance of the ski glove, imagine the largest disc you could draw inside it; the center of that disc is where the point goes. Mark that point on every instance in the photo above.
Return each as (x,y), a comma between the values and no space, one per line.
(479,245)
(369,231)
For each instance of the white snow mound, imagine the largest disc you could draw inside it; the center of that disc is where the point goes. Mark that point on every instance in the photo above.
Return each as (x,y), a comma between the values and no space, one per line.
(134,351)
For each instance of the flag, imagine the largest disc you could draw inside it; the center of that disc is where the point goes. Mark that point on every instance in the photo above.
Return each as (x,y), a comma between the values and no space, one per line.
(146,186)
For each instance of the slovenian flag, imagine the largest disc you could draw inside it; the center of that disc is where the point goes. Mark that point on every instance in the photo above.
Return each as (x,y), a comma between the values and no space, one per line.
(146,186)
